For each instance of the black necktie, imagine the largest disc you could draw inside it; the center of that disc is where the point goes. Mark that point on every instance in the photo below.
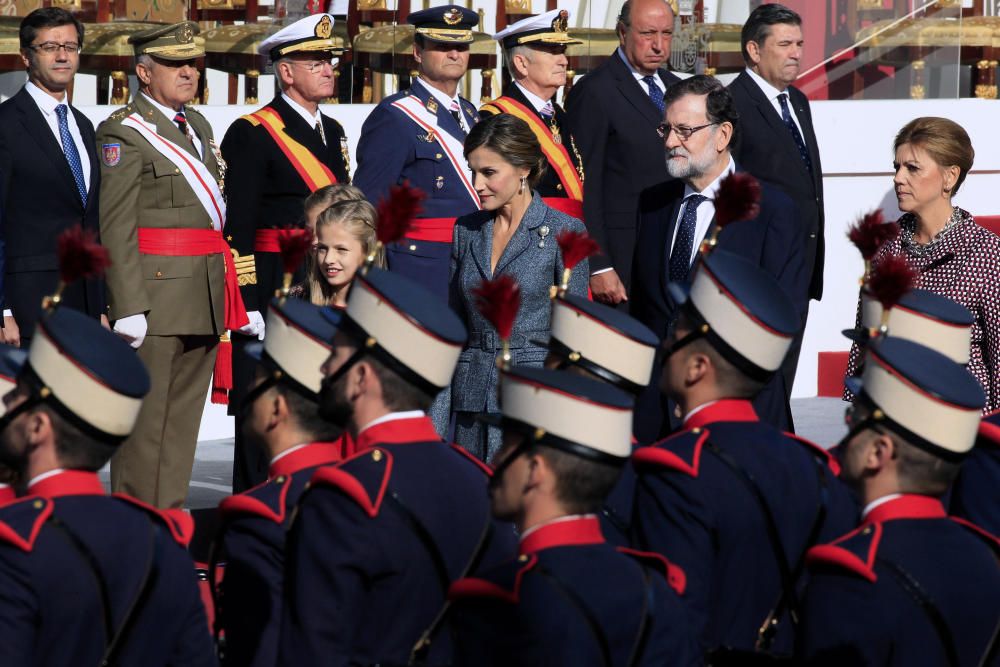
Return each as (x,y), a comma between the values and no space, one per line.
(319,131)
(786,116)
(680,256)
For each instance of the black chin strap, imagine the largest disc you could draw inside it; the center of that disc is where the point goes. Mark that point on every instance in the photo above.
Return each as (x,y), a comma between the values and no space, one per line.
(502,467)
(28,403)
(677,345)
(335,376)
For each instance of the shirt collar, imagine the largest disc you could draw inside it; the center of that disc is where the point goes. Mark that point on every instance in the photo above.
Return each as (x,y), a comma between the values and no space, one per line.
(903,506)
(713,187)
(309,118)
(166,111)
(770,92)
(878,502)
(46,103)
(535,100)
(60,482)
(575,529)
(396,428)
(442,99)
(303,456)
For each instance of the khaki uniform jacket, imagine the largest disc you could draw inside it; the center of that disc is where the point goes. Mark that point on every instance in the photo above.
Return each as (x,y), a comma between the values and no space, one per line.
(180,295)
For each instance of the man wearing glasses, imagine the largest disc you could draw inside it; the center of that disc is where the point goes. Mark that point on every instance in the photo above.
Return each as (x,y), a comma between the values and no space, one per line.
(48,161)
(675,216)
(276,157)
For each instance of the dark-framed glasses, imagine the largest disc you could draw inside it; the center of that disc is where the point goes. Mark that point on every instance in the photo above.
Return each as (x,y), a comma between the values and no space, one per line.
(51,48)
(683,133)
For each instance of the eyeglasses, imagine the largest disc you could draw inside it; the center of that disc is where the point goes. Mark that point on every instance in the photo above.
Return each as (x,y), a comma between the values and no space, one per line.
(683,133)
(50,48)
(314,66)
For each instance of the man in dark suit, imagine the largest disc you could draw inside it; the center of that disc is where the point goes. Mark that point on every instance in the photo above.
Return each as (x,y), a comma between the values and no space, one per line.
(275,158)
(779,144)
(48,159)
(675,217)
(613,115)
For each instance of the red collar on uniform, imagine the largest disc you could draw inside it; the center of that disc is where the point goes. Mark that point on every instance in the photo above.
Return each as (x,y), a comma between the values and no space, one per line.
(68,483)
(7,494)
(312,454)
(397,432)
(909,506)
(726,410)
(585,530)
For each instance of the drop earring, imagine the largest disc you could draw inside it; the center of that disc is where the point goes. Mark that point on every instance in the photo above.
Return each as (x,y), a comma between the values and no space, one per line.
(520,189)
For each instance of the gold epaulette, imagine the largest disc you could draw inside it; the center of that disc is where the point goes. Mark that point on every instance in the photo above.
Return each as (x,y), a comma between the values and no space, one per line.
(246,268)
(122,113)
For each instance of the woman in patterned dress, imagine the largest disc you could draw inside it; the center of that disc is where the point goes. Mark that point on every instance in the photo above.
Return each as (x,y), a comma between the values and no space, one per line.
(952,255)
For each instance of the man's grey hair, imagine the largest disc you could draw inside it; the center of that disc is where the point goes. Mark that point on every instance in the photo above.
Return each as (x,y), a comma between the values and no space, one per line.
(519,50)
(277,78)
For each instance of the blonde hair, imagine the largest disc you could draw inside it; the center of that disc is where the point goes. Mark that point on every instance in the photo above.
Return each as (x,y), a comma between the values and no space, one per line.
(328,195)
(359,218)
(944,140)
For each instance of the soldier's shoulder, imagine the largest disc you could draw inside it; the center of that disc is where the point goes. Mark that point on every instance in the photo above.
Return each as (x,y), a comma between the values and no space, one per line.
(853,553)
(362,478)
(681,452)
(22,520)
(120,114)
(501,582)
(178,523)
(268,500)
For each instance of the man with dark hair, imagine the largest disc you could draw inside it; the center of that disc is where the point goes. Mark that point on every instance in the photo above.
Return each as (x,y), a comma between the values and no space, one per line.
(779,144)
(613,114)
(276,157)
(910,586)
(278,415)
(88,579)
(416,136)
(50,175)
(731,499)
(535,53)
(570,598)
(676,216)
(378,538)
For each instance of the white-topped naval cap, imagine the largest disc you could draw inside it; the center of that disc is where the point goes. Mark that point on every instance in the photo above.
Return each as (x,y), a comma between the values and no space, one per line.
(548,28)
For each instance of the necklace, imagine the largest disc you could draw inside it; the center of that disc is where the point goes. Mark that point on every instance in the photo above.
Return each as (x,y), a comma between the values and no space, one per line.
(925,249)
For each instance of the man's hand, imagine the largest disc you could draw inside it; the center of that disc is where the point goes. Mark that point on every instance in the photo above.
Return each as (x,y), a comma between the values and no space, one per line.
(132,329)
(255,327)
(607,288)
(11,334)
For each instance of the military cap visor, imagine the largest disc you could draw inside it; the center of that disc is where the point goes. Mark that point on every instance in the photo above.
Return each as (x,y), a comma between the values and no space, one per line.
(170,42)
(297,342)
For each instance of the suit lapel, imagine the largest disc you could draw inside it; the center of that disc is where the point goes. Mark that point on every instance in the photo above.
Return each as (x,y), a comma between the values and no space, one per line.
(521,240)
(667,242)
(297,128)
(90,142)
(633,91)
(445,121)
(205,136)
(482,248)
(36,127)
(799,101)
(773,120)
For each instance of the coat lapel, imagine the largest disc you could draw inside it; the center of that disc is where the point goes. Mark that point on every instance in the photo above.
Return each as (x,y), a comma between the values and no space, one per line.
(482,248)
(90,141)
(165,127)
(633,91)
(522,238)
(773,120)
(666,242)
(809,134)
(36,127)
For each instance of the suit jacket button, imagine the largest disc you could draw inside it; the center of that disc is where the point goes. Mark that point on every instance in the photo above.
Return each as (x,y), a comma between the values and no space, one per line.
(558,186)
(159,274)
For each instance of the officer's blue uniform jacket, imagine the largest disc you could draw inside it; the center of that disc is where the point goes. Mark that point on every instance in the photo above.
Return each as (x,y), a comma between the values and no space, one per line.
(571,598)
(974,495)
(393,149)
(857,611)
(252,545)
(694,509)
(361,583)
(51,610)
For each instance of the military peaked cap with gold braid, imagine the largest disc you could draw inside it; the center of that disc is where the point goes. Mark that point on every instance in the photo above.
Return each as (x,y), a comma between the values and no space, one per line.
(449,24)
(170,42)
(548,28)
(312,34)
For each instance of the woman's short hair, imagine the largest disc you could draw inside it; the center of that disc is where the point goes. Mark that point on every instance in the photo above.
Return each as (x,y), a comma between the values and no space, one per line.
(512,139)
(944,140)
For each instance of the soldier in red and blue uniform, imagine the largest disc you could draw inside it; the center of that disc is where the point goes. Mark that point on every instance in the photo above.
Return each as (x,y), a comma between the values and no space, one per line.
(279,415)
(568,597)
(731,500)
(88,579)
(974,494)
(417,136)
(909,586)
(379,537)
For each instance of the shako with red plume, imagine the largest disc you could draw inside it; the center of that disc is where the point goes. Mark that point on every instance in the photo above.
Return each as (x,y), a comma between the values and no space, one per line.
(395,216)
(737,199)
(80,256)
(293,245)
(889,282)
(869,234)
(575,247)
(498,300)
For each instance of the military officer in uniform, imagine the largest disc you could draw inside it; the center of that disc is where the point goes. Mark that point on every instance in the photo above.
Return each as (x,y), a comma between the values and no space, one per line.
(279,414)
(535,53)
(170,293)
(909,586)
(378,538)
(417,135)
(88,579)
(276,157)
(730,499)
(569,597)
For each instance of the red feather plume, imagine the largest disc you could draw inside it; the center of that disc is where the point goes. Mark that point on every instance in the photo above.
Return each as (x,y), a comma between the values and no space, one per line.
(499,300)
(293,244)
(396,213)
(891,280)
(871,232)
(738,199)
(576,247)
(80,255)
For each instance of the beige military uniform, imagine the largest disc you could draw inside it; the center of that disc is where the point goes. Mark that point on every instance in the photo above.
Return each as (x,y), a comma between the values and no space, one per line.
(182,297)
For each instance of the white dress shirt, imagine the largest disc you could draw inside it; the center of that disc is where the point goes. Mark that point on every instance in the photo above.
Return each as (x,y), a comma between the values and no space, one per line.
(47,105)
(771,93)
(446,102)
(706,211)
(639,75)
(309,118)
(170,113)
(537,102)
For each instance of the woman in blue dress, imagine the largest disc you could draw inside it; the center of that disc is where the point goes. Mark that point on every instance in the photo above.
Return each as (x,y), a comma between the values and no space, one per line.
(514,234)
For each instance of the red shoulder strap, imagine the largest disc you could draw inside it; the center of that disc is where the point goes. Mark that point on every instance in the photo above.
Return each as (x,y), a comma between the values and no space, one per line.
(674,574)
(475,587)
(245,503)
(23,520)
(369,496)
(657,455)
(179,522)
(831,460)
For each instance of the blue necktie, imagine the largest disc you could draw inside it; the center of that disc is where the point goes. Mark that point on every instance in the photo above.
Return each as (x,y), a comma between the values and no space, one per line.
(72,155)
(786,116)
(655,94)
(680,257)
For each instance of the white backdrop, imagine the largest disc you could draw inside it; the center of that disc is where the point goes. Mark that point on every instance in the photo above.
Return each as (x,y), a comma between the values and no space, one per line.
(855,142)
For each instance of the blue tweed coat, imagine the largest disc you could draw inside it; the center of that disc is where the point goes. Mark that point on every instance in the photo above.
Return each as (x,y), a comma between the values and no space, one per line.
(532,257)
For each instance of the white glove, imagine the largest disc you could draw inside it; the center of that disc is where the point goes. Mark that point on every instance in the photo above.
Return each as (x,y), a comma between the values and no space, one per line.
(255,327)
(132,329)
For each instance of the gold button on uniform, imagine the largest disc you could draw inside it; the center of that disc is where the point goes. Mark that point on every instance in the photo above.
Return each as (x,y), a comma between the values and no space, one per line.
(159,274)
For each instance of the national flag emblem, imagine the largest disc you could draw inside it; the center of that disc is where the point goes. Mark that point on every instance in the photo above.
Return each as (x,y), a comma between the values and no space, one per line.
(111,154)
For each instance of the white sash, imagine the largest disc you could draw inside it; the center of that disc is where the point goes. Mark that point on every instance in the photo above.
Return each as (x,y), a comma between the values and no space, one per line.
(414,108)
(194,171)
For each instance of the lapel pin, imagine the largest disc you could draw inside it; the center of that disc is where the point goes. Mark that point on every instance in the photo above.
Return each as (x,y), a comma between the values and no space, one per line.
(543,232)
